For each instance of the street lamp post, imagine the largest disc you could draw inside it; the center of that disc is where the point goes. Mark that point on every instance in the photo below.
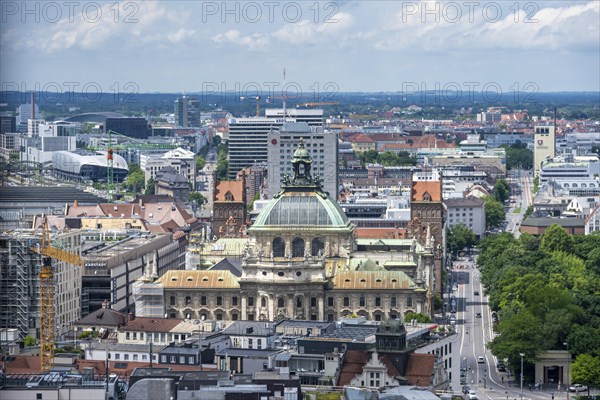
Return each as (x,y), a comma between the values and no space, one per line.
(568,382)
(522,355)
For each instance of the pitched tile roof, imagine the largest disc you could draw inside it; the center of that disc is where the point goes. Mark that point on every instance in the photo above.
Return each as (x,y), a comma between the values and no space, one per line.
(149,324)
(103,317)
(354,361)
(235,187)
(419,369)
(199,280)
(372,280)
(419,188)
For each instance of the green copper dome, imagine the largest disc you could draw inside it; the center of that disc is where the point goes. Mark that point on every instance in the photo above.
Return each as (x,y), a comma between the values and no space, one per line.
(301,209)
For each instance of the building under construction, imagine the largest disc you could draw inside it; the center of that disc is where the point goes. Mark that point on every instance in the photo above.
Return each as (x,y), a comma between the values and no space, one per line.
(19,283)
(19,286)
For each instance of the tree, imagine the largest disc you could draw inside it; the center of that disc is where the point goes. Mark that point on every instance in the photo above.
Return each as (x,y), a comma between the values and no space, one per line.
(528,211)
(536,184)
(460,236)
(501,190)
(494,212)
(198,197)
(150,189)
(200,163)
(556,239)
(518,156)
(30,341)
(586,370)
(14,157)
(420,317)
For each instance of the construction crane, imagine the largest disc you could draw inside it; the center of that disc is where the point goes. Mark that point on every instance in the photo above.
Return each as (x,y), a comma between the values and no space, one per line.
(318,103)
(47,284)
(257,98)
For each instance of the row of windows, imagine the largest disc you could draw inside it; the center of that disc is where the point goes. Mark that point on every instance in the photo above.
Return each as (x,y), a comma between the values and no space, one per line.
(362,301)
(132,357)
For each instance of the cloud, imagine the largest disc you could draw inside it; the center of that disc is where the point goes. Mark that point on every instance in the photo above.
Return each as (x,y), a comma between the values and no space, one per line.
(309,33)
(253,41)
(566,27)
(128,24)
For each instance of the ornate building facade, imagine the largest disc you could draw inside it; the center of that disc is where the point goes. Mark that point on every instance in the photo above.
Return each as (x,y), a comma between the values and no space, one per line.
(427,217)
(301,261)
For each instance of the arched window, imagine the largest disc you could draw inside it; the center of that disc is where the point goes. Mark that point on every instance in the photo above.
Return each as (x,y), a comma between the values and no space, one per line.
(278,247)
(298,247)
(263,301)
(299,302)
(280,303)
(316,246)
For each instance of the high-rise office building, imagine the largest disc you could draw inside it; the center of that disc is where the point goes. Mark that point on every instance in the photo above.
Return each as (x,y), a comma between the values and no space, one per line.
(247,137)
(543,146)
(187,112)
(310,116)
(321,145)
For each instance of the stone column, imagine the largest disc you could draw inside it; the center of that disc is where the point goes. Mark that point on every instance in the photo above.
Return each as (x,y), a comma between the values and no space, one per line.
(290,307)
(243,308)
(321,305)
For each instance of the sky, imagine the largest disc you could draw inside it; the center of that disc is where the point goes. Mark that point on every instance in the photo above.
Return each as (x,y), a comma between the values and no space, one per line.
(324,47)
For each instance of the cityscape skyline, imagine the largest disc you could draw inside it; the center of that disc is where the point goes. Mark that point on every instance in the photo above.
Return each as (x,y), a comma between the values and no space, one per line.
(325,47)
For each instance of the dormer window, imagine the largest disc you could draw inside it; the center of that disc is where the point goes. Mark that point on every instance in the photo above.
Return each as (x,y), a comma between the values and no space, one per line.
(228,196)
(426,196)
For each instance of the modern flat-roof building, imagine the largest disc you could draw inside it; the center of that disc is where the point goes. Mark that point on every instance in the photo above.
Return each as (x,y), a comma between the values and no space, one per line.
(469,212)
(321,145)
(247,137)
(187,112)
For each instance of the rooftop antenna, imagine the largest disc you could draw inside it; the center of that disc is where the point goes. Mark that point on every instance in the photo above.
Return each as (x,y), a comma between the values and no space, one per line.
(284,95)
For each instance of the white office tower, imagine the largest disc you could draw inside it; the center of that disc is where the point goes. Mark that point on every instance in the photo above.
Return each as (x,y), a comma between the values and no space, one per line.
(248,136)
(322,147)
(543,146)
(310,116)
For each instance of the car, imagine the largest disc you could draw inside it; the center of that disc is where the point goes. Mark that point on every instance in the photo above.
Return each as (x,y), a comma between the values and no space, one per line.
(472,395)
(466,389)
(500,366)
(578,388)
(478,315)
(480,360)
(476,293)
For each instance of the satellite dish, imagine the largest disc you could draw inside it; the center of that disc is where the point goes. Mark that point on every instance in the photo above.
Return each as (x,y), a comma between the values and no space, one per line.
(203,317)
(187,316)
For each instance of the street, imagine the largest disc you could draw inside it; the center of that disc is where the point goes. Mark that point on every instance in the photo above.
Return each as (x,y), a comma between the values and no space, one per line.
(475,332)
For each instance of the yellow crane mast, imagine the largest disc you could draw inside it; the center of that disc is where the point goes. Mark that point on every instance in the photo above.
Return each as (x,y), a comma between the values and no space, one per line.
(46,276)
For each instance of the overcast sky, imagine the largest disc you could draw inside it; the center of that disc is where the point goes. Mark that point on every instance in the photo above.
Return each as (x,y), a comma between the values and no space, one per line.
(193,46)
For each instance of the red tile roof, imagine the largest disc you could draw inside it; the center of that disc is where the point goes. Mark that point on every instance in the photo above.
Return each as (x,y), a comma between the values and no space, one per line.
(235,187)
(142,324)
(360,138)
(354,360)
(419,369)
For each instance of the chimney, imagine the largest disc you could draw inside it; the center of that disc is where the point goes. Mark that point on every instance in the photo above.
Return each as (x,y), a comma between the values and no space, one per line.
(75,203)
(141,203)
(131,316)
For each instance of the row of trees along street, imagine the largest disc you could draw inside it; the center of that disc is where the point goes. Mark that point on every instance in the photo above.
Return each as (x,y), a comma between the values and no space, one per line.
(547,293)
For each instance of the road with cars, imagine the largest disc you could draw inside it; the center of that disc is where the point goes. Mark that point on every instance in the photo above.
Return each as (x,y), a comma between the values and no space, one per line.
(474,324)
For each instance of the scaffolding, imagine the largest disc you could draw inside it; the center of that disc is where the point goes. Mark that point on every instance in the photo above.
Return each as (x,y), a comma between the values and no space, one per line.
(19,286)
(149,299)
